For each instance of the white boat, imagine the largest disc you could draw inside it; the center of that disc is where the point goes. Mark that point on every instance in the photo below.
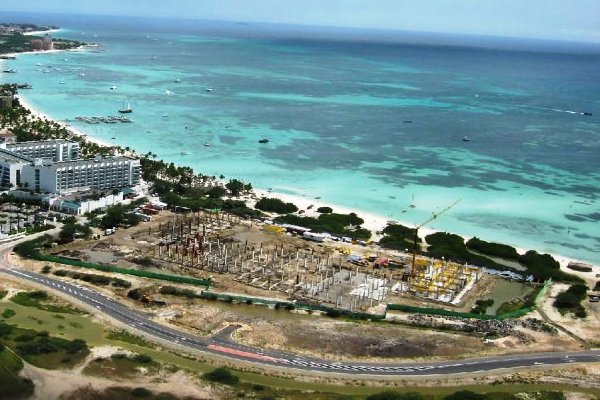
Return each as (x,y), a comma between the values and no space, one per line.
(62,82)
(208,89)
(113,87)
(177,80)
(165,115)
(206,144)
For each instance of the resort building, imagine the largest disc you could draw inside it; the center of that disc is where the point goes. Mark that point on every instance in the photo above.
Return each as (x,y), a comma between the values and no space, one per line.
(11,166)
(54,167)
(47,42)
(56,150)
(76,175)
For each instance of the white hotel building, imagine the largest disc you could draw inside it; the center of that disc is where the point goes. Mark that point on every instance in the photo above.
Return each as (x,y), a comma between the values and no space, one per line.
(54,167)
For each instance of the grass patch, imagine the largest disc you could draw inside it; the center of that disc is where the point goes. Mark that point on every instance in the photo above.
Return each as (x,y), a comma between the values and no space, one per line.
(124,336)
(38,299)
(11,385)
(122,366)
(121,393)
(45,351)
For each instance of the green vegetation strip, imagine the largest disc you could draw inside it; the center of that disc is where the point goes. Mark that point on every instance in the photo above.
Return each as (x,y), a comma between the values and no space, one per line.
(126,271)
(31,249)
(37,299)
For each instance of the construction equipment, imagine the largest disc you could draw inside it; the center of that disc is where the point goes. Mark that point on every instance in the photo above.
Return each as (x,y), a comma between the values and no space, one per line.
(434,216)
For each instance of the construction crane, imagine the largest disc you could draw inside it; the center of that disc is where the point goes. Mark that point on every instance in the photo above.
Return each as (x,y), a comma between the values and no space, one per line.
(434,216)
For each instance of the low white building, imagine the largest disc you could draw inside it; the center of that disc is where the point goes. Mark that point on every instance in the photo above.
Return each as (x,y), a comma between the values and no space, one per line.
(82,203)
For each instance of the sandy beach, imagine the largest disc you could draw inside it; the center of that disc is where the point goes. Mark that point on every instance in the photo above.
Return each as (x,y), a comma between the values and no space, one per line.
(36,33)
(76,131)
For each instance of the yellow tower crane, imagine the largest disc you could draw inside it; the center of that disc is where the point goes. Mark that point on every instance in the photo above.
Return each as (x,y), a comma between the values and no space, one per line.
(434,216)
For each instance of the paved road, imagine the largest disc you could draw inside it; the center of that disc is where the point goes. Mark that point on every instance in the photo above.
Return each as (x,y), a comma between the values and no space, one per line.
(223,345)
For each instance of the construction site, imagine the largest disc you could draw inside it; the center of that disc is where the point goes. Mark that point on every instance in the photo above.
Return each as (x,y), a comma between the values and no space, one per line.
(270,261)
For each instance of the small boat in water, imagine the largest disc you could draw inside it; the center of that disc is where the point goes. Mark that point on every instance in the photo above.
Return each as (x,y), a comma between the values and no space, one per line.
(206,144)
(177,80)
(113,87)
(208,89)
(587,113)
(63,82)
(466,139)
(264,140)
(126,109)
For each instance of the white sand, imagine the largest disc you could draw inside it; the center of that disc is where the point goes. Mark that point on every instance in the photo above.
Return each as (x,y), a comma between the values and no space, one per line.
(373,222)
(38,33)
(76,131)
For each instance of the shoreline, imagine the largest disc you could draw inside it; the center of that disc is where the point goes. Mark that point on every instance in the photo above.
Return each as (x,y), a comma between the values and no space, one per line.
(76,131)
(373,222)
(35,33)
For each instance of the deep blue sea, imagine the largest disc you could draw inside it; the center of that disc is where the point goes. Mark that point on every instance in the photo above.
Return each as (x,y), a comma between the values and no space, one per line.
(364,119)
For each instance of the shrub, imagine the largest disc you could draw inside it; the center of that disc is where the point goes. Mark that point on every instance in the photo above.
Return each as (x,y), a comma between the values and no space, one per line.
(493,249)
(275,205)
(8,313)
(325,210)
(578,290)
(5,329)
(38,294)
(35,348)
(141,392)
(75,346)
(333,313)
(168,290)
(392,395)
(2,347)
(46,269)
(117,282)
(398,237)
(452,247)
(142,358)
(465,395)
(222,375)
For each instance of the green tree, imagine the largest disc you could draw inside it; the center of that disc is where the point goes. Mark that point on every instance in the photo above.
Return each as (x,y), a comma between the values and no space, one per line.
(235,187)
(216,192)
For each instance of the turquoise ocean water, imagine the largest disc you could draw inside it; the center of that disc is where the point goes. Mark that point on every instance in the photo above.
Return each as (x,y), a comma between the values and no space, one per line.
(368,120)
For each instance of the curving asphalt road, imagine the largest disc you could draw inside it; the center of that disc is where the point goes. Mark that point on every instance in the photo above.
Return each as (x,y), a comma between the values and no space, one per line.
(222,343)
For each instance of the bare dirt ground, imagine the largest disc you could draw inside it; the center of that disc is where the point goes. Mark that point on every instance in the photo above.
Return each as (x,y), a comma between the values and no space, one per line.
(584,328)
(342,340)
